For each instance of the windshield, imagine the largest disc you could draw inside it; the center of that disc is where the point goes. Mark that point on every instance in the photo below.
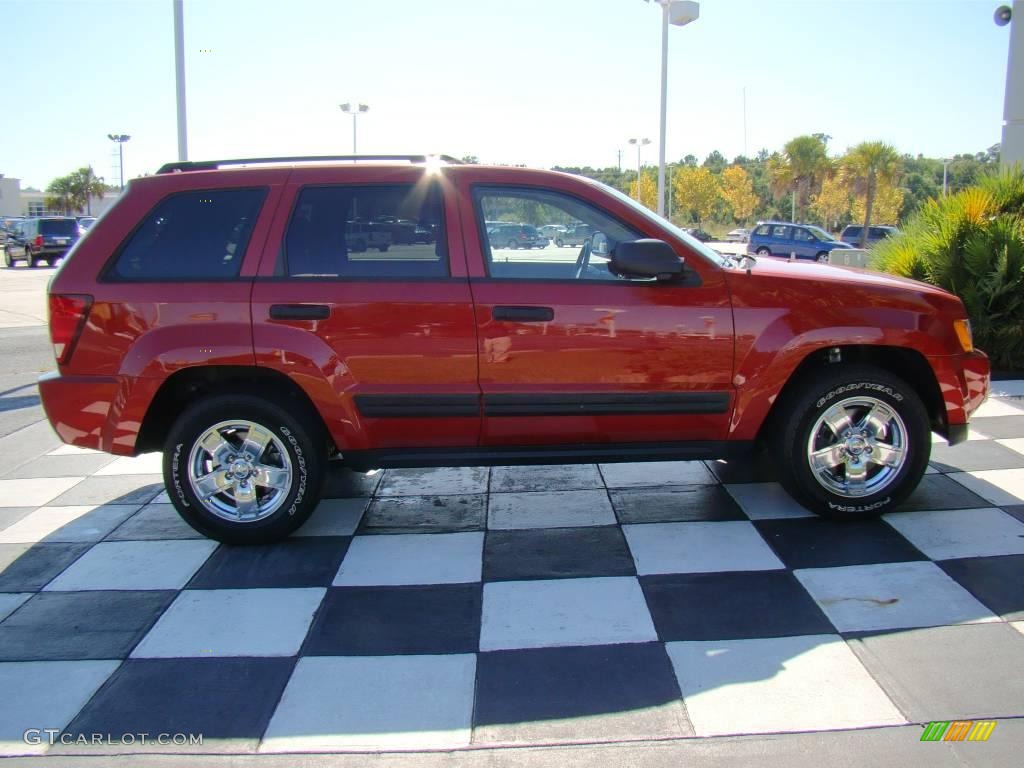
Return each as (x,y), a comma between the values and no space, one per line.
(712,255)
(820,233)
(58,227)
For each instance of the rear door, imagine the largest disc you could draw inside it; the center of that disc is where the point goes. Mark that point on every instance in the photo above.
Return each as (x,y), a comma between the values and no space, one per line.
(382,338)
(571,353)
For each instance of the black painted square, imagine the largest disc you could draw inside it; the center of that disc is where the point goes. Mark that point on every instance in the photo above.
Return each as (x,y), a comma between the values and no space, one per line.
(731,606)
(294,562)
(684,504)
(30,567)
(80,625)
(377,621)
(218,698)
(820,543)
(554,683)
(556,553)
(975,455)
(939,492)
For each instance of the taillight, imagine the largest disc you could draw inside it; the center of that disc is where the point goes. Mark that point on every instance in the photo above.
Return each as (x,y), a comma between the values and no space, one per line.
(38,242)
(67,318)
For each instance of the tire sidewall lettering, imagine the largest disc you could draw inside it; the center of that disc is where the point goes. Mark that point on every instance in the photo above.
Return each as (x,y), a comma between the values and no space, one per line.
(179,490)
(300,461)
(847,388)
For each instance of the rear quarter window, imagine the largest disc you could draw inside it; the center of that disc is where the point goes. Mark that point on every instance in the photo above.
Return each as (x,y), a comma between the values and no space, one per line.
(197,235)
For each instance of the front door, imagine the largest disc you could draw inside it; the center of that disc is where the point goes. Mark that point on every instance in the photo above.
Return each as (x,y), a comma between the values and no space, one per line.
(571,353)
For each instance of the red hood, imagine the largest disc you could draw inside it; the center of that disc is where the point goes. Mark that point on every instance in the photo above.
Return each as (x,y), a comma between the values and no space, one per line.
(827,273)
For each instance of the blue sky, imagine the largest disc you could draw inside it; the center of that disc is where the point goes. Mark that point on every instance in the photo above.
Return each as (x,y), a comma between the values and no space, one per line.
(539,82)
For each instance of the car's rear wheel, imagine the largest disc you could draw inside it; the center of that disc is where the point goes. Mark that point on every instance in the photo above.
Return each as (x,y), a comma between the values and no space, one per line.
(822,257)
(853,443)
(513,244)
(383,247)
(558,242)
(243,470)
(762,251)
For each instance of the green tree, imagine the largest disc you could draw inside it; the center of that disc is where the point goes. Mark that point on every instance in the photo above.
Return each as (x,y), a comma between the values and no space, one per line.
(864,168)
(696,190)
(85,185)
(715,162)
(60,195)
(800,170)
(831,203)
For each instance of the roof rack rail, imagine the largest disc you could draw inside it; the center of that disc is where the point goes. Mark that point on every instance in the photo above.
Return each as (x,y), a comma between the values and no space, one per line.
(211,165)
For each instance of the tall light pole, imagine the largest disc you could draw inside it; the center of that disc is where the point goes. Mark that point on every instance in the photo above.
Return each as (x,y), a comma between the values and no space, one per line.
(639,143)
(179,77)
(945,169)
(120,138)
(355,111)
(679,13)
(1011,149)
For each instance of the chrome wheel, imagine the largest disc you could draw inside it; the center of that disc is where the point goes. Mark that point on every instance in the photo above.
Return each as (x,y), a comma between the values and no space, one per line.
(857,447)
(240,471)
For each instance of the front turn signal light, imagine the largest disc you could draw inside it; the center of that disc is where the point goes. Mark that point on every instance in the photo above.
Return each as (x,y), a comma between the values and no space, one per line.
(963,332)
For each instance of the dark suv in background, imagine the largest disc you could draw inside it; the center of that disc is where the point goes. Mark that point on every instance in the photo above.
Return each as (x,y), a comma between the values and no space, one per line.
(44,239)
(515,236)
(851,234)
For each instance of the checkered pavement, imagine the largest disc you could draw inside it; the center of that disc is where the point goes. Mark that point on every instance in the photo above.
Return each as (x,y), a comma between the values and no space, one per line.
(447,608)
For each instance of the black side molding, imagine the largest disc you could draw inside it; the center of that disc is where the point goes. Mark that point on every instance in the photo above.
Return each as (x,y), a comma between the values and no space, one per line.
(299,312)
(593,404)
(417,406)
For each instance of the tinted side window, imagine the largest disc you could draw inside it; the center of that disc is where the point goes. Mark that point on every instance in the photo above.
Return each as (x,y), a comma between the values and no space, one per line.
(780,232)
(762,230)
(392,230)
(803,235)
(199,235)
(591,238)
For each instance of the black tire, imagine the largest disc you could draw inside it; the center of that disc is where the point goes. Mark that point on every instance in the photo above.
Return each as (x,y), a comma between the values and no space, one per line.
(288,507)
(513,244)
(558,242)
(822,257)
(851,390)
(762,251)
(384,247)
(8,261)
(33,262)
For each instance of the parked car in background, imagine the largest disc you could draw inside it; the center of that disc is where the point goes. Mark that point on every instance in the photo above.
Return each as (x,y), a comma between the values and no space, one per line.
(515,236)
(577,234)
(37,240)
(216,315)
(739,235)
(84,223)
(876,234)
(551,231)
(700,234)
(781,238)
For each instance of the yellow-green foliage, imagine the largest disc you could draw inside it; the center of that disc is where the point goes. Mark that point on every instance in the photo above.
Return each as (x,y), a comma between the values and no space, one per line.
(972,244)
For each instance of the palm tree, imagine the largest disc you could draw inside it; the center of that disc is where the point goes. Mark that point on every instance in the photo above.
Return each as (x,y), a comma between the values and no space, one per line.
(800,170)
(86,185)
(865,167)
(60,194)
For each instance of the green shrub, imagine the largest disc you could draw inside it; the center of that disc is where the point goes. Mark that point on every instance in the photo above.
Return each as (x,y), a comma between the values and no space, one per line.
(972,244)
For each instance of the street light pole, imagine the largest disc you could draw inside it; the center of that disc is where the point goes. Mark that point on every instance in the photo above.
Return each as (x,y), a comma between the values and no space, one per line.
(355,111)
(639,143)
(179,77)
(679,13)
(120,138)
(945,175)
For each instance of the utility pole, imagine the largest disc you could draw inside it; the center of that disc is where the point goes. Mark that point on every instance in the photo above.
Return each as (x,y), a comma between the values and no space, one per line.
(179,77)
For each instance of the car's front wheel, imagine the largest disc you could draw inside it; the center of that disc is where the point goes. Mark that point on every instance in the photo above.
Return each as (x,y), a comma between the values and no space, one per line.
(822,257)
(762,251)
(243,470)
(854,443)
(558,242)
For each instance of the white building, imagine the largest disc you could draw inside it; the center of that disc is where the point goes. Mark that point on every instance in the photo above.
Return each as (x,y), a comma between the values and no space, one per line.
(17,202)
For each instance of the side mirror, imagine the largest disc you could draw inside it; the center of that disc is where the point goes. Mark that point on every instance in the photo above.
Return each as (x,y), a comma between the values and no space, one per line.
(599,244)
(646,258)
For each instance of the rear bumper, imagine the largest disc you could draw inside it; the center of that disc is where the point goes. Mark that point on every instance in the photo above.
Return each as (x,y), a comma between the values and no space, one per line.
(103,413)
(964,382)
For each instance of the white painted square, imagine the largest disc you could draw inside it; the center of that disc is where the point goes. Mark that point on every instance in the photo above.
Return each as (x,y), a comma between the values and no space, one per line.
(375,703)
(657,473)
(334,517)
(560,509)
(143,464)
(135,565)
(1014,444)
(11,601)
(992,407)
(1007,388)
(561,612)
(947,534)
(67,524)
(72,450)
(1000,487)
(232,622)
(1018,625)
(779,684)
(34,492)
(440,481)
(699,547)
(972,434)
(412,558)
(891,596)
(766,501)
(44,694)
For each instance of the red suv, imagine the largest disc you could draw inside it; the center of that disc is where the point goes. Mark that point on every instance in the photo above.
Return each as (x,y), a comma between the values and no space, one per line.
(220,313)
